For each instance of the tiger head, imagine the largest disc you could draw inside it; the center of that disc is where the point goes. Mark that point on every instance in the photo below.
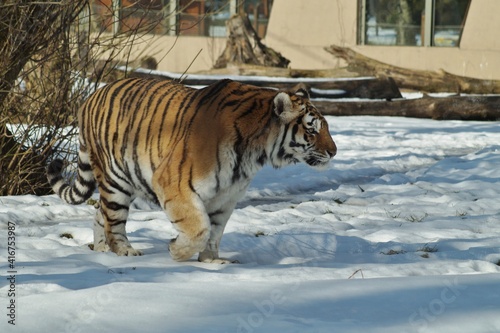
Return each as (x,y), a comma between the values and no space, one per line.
(305,135)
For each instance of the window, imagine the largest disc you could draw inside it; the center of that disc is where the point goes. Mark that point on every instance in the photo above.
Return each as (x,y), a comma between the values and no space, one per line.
(449,21)
(181,17)
(125,15)
(145,14)
(412,22)
(203,17)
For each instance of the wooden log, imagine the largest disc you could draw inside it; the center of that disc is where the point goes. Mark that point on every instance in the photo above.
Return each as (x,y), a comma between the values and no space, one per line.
(439,108)
(420,80)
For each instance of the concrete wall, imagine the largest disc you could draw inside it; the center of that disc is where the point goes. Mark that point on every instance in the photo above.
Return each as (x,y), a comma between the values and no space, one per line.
(301,29)
(177,54)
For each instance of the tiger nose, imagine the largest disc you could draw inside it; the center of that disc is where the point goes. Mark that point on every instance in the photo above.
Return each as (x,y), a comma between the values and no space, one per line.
(332,151)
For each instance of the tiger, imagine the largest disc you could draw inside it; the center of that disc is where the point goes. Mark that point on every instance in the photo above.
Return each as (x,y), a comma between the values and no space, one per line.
(191,151)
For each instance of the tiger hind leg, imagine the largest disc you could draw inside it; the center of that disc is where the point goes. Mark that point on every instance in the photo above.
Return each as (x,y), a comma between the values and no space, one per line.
(100,244)
(114,211)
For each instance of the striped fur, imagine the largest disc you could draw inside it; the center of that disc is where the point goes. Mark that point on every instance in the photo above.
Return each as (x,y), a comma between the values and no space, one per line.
(191,151)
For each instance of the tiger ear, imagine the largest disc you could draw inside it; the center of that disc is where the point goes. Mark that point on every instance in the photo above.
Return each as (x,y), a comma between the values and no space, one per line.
(301,90)
(283,107)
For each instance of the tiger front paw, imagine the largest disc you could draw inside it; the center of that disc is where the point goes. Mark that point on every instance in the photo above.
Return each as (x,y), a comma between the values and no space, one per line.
(183,248)
(181,253)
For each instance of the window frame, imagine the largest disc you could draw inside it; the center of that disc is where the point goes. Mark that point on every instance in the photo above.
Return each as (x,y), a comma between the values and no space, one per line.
(428,25)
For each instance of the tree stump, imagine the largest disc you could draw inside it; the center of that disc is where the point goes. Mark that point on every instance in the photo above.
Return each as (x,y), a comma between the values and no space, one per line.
(245,47)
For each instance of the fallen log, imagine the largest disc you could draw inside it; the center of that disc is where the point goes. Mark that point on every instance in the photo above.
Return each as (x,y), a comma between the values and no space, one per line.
(364,87)
(419,80)
(438,108)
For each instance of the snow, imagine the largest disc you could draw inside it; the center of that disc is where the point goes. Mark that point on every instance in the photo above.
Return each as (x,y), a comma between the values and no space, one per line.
(400,234)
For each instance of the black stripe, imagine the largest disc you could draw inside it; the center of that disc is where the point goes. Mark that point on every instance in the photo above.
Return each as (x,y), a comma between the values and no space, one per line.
(191,186)
(113,205)
(118,187)
(239,149)
(85,167)
(62,189)
(281,150)
(250,109)
(217,212)
(115,222)
(214,89)
(237,90)
(219,168)
(81,194)
(71,193)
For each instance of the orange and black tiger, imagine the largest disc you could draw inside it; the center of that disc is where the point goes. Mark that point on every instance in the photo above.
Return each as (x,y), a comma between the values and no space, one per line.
(191,151)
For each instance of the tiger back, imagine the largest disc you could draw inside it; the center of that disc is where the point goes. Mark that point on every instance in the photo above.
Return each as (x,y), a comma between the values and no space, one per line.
(192,151)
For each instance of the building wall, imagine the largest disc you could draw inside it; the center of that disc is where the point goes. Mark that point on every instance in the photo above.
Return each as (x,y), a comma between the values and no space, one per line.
(300,29)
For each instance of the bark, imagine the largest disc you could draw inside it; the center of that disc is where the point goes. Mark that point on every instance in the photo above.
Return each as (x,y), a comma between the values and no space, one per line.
(447,108)
(420,80)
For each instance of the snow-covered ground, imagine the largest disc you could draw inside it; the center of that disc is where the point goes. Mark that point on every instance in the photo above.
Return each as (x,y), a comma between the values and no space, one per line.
(400,234)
